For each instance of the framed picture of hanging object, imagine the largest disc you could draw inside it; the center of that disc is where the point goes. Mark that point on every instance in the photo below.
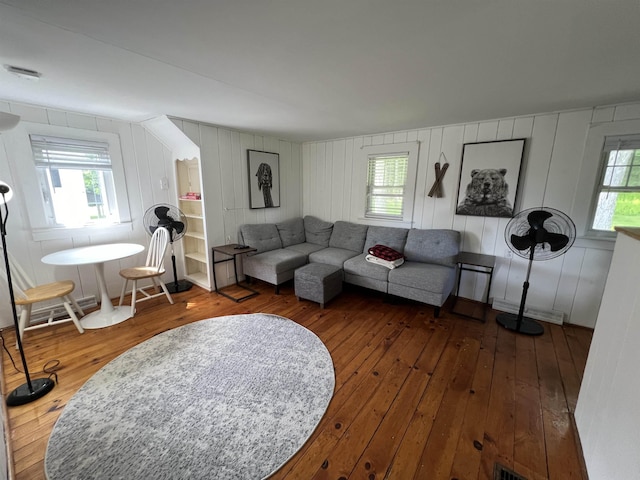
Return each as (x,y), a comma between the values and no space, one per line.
(264,179)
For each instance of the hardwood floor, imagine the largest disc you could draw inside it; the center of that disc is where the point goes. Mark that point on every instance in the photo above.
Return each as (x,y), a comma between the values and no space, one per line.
(415,397)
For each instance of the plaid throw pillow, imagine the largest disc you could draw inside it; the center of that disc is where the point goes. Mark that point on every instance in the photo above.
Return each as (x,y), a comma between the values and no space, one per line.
(385,253)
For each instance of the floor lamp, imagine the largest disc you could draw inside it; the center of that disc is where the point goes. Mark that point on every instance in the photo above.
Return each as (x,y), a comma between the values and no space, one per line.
(39,387)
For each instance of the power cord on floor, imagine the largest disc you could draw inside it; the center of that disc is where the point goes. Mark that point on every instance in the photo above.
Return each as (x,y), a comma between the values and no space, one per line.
(49,367)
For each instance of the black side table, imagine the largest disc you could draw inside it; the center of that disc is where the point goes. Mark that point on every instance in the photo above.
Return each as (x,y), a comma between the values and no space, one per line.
(479,263)
(232,251)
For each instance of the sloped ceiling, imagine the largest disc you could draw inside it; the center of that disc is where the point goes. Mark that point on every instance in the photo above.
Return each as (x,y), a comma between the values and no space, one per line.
(305,70)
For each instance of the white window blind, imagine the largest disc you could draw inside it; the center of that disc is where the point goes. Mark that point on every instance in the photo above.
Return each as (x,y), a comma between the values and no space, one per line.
(54,152)
(386,183)
(76,180)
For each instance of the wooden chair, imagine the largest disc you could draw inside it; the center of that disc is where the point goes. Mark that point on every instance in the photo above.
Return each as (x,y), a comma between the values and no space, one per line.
(27,294)
(153,270)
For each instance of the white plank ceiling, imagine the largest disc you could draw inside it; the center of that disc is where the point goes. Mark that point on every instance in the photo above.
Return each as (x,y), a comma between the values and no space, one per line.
(308,70)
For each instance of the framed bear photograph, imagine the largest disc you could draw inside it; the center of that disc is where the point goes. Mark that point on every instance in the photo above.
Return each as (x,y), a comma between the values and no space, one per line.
(489,177)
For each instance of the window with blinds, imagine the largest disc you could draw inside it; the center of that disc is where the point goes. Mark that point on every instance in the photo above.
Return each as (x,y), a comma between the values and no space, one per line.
(386,183)
(617,201)
(76,180)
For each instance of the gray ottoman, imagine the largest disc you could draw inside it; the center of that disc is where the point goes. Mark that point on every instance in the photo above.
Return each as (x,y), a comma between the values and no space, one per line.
(318,282)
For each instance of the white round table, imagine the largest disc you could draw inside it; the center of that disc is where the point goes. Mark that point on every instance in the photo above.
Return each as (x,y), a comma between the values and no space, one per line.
(97,255)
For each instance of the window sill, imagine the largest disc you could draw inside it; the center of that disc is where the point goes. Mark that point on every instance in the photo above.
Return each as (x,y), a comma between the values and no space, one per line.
(41,234)
(385,221)
(596,242)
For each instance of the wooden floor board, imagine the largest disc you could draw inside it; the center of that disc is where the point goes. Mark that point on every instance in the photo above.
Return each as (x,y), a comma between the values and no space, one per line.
(499,432)
(415,396)
(529,448)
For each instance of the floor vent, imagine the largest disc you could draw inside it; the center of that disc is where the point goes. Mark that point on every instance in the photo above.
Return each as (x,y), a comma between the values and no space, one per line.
(500,472)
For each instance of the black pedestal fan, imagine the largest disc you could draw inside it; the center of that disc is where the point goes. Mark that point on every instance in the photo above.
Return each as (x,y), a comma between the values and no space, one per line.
(536,234)
(171,218)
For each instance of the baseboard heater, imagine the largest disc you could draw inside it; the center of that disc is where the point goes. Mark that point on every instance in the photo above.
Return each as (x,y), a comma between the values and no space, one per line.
(58,311)
(551,316)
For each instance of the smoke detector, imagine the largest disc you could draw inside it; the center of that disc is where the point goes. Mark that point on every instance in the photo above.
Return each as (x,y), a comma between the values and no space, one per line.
(23,72)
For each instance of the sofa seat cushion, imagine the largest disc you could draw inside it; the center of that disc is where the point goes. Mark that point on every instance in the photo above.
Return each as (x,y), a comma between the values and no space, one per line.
(317,231)
(274,261)
(305,248)
(349,236)
(332,256)
(359,266)
(433,246)
(291,231)
(423,276)
(262,236)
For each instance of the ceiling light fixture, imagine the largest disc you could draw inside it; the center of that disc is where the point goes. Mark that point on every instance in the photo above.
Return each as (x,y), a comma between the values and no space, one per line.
(23,72)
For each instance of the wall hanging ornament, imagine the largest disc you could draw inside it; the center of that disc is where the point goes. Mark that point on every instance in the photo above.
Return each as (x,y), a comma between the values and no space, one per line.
(436,189)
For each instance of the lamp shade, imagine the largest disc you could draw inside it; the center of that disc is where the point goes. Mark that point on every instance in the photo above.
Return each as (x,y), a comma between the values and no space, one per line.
(6,192)
(8,121)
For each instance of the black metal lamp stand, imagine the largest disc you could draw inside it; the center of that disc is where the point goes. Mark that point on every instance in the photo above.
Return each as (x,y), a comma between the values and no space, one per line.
(39,387)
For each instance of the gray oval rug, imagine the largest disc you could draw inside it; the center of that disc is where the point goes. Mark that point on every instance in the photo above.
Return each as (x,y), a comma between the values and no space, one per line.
(231,397)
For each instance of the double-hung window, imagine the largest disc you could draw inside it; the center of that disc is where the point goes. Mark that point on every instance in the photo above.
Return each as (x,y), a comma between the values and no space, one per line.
(386,184)
(387,181)
(76,181)
(617,199)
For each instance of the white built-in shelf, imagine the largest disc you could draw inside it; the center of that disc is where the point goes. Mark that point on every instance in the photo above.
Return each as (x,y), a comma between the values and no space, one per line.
(195,248)
(197,256)
(199,278)
(198,235)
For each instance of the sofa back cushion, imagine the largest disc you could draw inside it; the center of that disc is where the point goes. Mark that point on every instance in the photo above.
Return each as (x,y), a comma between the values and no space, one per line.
(433,246)
(291,231)
(350,236)
(388,236)
(263,236)
(317,231)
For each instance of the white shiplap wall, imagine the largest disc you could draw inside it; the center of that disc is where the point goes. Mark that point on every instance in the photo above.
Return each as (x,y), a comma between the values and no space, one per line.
(225,177)
(146,162)
(553,158)
(607,415)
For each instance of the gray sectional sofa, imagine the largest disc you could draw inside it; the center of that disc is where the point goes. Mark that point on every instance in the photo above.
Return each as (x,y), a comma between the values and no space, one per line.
(427,275)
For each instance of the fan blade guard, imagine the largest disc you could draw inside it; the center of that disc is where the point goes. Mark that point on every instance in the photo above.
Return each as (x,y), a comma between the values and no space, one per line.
(167,216)
(547,231)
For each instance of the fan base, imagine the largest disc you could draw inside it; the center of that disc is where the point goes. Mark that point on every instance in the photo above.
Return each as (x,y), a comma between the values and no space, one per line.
(179,286)
(527,325)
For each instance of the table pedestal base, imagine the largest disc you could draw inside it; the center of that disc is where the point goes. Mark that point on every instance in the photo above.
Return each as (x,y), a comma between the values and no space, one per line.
(101,319)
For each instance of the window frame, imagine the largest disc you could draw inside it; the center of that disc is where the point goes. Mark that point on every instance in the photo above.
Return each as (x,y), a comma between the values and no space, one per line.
(586,199)
(411,149)
(600,187)
(368,192)
(42,227)
(86,157)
